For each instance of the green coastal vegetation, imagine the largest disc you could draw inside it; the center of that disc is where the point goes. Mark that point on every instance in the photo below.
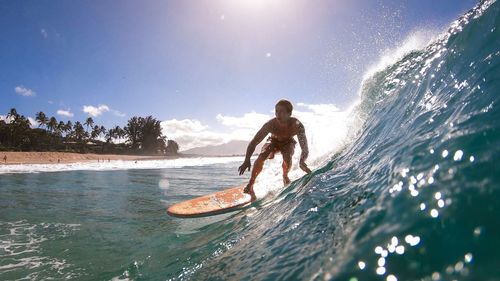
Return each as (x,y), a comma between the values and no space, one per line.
(141,136)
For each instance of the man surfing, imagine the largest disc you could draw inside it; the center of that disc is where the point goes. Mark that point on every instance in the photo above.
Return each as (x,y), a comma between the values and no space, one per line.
(282,129)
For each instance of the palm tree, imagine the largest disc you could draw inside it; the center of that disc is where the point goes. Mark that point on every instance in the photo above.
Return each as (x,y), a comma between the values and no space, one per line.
(19,130)
(67,128)
(41,118)
(96,131)
(12,115)
(151,136)
(89,123)
(79,132)
(60,128)
(110,135)
(132,131)
(52,125)
(119,133)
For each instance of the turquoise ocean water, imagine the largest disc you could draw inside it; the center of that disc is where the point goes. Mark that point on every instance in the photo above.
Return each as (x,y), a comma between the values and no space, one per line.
(415,195)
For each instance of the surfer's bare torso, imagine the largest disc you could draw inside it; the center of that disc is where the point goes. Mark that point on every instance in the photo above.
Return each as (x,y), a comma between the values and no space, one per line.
(284,131)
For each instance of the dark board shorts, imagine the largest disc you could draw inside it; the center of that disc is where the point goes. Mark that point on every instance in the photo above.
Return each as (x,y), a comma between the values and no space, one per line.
(273,145)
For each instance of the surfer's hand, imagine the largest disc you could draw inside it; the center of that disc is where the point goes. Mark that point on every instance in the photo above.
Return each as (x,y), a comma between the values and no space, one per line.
(244,166)
(304,167)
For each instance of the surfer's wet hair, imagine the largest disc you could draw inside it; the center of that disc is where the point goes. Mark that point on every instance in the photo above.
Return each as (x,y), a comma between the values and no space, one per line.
(286,104)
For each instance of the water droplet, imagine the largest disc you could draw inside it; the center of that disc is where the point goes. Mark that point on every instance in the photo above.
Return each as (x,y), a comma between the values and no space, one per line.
(449,269)
(380,270)
(404,172)
(477,231)
(458,155)
(422,206)
(413,180)
(471,159)
(412,240)
(444,153)
(434,213)
(441,203)
(436,276)
(378,250)
(468,257)
(394,241)
(391,248)
(400,249)
(361,265)
(459,266)
(437,195)
(436,167)
(381,262)
(391,277)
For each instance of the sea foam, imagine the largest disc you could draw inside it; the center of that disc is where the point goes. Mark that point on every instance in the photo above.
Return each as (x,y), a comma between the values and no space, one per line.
(117,165)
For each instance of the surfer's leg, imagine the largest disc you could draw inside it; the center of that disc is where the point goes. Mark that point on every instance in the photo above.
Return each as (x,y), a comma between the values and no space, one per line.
(287,152)
(257,168)
(286,165)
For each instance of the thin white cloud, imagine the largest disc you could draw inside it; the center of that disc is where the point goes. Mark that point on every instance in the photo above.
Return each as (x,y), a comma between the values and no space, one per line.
(324,109)
(65,113)
(186,125)
(23,91)
(44,33)
(95,111)
(190,133)
(118,113)
(250,120)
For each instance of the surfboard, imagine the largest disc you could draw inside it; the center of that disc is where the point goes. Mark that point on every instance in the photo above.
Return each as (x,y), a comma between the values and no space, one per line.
(211,204)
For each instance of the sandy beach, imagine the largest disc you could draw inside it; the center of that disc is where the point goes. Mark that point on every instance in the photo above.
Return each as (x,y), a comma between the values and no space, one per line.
(67,157)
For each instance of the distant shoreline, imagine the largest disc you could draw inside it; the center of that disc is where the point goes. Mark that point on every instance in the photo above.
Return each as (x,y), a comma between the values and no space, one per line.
(69,157)
(33,157)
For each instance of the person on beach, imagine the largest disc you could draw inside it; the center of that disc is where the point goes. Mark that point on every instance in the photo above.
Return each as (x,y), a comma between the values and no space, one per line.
(5,158)
(282,129)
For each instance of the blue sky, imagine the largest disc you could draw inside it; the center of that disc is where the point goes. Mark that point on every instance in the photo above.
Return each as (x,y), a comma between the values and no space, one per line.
(196,60)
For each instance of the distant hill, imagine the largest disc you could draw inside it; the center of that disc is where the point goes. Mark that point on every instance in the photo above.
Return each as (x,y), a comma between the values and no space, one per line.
(232,148)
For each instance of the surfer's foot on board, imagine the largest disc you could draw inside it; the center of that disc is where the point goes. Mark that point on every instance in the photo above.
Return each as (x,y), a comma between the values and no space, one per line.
(249,190)
(286,180)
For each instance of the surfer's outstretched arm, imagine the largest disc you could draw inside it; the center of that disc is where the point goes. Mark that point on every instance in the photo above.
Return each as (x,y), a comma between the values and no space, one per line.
(261,134)
(301,135)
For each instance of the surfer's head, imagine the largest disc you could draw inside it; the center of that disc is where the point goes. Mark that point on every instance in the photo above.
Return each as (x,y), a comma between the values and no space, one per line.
(283,110)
